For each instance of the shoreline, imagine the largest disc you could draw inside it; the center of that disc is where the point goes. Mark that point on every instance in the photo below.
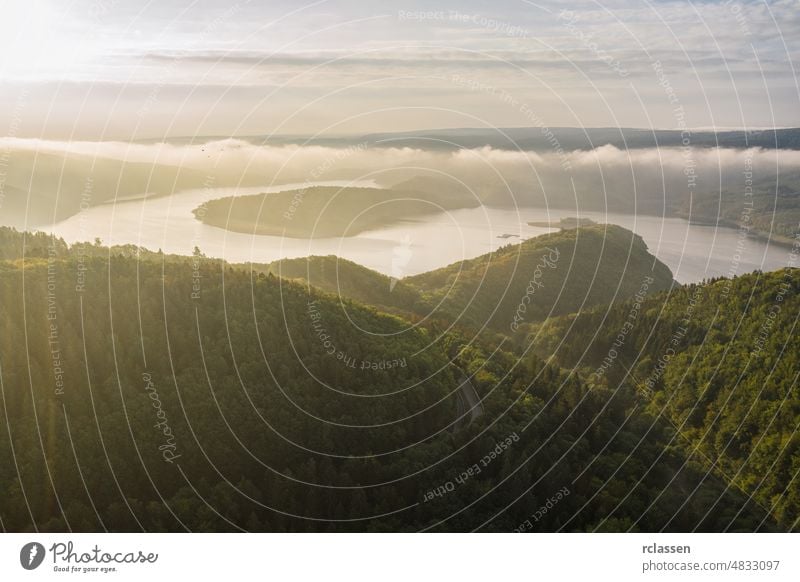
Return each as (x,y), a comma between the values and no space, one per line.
(760,235)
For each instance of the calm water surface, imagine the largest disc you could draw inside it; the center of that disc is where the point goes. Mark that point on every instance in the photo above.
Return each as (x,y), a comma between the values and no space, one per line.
(692,252)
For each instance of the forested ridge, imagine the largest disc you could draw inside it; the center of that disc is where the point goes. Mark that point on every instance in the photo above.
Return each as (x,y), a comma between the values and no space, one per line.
(548,275)
(719,361)
(142,391)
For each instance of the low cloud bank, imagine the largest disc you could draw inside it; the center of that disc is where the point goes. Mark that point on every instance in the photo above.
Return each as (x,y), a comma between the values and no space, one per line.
(641,180)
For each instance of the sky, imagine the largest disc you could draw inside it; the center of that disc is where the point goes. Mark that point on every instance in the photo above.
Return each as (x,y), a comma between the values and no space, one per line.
(116,69)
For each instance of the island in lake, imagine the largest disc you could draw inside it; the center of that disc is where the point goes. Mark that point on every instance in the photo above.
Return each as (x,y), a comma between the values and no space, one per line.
(327,211)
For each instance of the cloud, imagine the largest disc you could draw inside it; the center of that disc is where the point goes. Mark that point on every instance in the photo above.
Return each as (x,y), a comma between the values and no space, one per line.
(639,179)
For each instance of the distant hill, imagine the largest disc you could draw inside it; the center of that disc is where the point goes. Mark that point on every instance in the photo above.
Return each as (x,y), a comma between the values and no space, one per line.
(40,187)
(44,188)
(717,199)
(770,211)
(537,139)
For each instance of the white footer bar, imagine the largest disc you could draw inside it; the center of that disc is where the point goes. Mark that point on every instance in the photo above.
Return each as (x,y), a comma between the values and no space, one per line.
(401,557)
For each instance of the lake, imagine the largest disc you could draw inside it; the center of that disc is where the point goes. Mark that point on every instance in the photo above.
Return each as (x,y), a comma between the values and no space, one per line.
(693,252)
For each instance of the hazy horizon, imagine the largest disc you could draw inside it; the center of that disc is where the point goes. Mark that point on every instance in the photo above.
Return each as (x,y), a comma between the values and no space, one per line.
(352,134)
(106,70)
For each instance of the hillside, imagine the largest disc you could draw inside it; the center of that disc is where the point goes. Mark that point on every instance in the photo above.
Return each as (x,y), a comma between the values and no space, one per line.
(175,394)
(348,280)
(719,361)
(548,275)
(44,188)
(599,264)
(770,211)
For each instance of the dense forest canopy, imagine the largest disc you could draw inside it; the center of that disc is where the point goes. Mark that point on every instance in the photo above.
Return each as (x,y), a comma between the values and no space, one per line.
(142,391)
(718,361)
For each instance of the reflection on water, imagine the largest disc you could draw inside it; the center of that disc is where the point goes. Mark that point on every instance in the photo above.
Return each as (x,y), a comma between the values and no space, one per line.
(692,252)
